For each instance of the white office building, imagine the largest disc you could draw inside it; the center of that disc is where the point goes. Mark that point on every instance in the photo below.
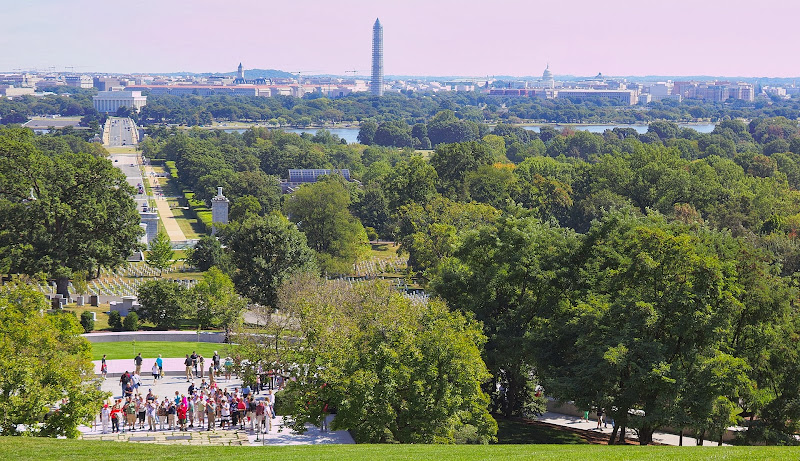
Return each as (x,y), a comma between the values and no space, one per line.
(110,101)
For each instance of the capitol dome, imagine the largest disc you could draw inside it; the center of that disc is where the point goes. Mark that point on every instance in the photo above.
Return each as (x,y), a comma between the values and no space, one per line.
(547,75)
(547,78)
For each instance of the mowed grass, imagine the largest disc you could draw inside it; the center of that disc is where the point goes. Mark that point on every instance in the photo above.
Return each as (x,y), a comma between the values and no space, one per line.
(517,432)
(14,448)
(151,349)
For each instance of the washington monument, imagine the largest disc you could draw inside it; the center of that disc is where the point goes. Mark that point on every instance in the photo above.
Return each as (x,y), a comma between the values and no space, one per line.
(376,85)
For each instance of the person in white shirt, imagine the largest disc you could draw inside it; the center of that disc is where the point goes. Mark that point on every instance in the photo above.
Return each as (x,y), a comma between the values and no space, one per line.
(105,417)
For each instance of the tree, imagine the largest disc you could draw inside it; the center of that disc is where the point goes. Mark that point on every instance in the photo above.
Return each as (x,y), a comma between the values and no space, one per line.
(87,321)
(160,254)
(655,324)
(396,370)
(131,322)
(265,251)
(366,132)
(321,212)
(243,206)
(82,216)
(504,272)
(115,320)
(208,253)
(453,161)
(46,373)
(215,302)
(162,303)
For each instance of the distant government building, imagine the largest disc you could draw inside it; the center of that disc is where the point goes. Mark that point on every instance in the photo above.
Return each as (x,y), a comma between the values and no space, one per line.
(110,101)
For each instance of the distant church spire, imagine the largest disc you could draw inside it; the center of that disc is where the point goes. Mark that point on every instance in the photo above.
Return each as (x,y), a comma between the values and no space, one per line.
(240,72)
(376,84)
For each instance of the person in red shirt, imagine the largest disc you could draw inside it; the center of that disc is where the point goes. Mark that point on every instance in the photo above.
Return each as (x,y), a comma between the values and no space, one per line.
(182,409)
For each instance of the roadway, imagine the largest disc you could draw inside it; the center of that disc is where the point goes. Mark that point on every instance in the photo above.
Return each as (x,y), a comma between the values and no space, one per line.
(129,165)
(120,132)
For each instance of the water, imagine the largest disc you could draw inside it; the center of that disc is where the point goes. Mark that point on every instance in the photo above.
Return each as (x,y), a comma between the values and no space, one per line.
(348,134)
(699,127)
(351,134)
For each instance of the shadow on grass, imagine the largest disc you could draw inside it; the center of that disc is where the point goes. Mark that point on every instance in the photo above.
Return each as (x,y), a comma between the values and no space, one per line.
(518,431)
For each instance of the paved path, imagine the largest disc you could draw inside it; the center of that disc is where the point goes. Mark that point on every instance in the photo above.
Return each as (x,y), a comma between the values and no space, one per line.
(578,423)
(167,386)
(164,212)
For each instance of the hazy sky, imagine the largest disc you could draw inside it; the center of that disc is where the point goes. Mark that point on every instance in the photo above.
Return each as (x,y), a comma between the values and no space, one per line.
(421,37)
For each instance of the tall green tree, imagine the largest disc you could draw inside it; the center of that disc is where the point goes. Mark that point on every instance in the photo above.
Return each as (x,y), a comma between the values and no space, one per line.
(396,370)
(321,211)
(62,212)
(265,251)
(160,255)
(163,303)
(214,301)
(43,362)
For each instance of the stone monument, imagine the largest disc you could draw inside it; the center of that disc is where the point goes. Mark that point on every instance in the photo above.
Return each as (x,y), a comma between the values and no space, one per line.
(219,210)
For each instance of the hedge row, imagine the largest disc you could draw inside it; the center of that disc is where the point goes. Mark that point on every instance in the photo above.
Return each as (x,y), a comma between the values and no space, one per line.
(197,207)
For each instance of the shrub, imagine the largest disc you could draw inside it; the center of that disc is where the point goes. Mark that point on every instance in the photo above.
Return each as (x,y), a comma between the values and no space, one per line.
(87,321)
(131,322)
(114,320)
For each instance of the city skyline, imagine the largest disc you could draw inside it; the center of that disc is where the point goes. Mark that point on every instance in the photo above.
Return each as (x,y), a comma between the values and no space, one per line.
(446,38)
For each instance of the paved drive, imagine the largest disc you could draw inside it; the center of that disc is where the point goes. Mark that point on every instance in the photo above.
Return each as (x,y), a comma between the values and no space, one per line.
(164,212)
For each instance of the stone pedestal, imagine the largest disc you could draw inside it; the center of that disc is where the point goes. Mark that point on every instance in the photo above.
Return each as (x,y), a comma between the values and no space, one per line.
(219,211)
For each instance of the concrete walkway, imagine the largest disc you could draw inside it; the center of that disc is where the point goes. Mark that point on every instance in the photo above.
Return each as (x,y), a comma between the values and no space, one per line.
(578,423)
(277,435)
(171,226)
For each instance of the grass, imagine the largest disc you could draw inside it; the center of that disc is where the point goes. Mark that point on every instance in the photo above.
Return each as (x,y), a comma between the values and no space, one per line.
(518,432)
(151,349)
(14,448)
(121,150)
(102,317)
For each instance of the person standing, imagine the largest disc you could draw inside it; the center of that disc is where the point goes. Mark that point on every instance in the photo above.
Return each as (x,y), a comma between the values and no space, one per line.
(141,408)
(211,373)
(103,367)
(194,362)
(171,415)
(136,381)
(115,417)
(138,362)
(162,414)
(155,371)
(599,418)
(124,380)
(188,363)
(160,364)
(105,417)
(271,404)
(211,411)
(199,412)
(151,415)
(215,361)
(201,363)
(260,409)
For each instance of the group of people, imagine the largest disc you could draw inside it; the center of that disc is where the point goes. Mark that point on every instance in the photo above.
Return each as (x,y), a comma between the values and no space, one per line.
(204,407)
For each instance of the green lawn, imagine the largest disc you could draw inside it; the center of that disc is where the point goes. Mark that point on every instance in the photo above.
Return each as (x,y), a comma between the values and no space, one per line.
(151,349)
(14,448)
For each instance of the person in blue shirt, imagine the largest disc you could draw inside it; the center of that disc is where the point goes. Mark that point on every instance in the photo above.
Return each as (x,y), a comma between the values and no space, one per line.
(160,364)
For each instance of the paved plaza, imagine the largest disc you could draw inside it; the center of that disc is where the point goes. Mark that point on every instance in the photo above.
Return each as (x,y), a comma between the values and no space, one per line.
(167,386)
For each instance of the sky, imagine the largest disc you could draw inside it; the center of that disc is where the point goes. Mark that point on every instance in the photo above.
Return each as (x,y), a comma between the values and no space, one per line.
(421,37)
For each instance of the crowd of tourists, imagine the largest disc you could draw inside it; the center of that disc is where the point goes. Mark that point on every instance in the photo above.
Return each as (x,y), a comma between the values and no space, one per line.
(205,406)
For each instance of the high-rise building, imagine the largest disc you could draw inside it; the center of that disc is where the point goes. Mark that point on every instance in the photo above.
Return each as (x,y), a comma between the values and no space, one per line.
(376,85)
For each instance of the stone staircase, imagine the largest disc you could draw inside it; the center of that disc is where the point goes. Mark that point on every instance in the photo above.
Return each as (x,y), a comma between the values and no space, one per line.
(200,437)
